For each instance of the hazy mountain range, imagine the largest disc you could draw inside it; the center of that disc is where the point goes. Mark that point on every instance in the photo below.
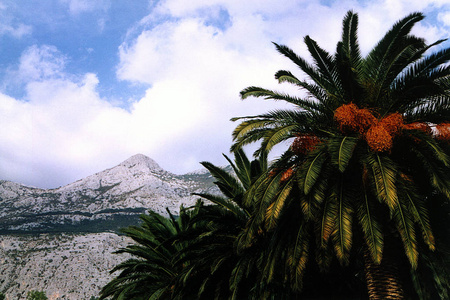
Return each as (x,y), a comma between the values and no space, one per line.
(61,240)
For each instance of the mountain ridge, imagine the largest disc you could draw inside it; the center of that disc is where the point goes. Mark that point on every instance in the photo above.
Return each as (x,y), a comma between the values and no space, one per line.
(119,193)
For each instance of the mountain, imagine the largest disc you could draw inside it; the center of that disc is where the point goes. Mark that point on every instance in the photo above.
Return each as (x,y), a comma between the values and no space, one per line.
(107,200)
(64,266)
(62,241)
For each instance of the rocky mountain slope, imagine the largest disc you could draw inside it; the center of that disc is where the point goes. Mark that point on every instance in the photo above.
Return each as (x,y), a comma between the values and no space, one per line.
(64,266)
(62,240)
(104,201)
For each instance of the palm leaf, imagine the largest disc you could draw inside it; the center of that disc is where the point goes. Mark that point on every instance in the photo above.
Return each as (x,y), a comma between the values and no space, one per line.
(384,173)
(273,95)
(301,63)
(405,227)
(438,151)
(419,213)
(275,136)
(242,168)
(350,39)
(314,91)
(326,67)
(266,190)
(371,227)
(341,149)
(312,168)
(275,208)
(227,184)
(328,220)
(223,202)
(383,56)
(342,233)
(300,255)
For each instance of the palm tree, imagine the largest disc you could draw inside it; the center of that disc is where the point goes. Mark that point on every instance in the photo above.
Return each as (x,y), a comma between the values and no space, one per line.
(151,272)
(212,269)
(369,146)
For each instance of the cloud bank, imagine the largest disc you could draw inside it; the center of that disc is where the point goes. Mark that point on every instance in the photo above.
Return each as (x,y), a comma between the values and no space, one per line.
(194,58)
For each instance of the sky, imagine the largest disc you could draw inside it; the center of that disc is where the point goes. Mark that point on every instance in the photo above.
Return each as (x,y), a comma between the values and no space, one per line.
(86,84)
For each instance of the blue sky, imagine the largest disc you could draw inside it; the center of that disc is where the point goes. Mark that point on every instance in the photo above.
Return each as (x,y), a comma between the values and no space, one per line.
(86,84)
(87,35)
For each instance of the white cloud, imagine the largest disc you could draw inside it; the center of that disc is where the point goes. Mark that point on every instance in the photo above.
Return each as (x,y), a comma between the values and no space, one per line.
(444,17)
(237,8)
(194,68)
(9,26)
(36,63)
(18,31)
(81,6)
(41,62)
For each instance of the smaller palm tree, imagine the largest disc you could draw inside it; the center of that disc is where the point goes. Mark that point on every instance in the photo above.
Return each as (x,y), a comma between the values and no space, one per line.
(212,269)
(150,273)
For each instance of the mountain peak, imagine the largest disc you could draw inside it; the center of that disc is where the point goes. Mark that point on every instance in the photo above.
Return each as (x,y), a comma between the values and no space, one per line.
(141,161)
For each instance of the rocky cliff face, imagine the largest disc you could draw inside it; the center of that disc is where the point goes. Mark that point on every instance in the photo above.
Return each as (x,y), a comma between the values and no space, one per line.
(104,201)
(62,240)
(65,266)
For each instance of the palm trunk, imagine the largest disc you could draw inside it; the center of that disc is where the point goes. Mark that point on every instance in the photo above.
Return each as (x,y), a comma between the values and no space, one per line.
(383,280)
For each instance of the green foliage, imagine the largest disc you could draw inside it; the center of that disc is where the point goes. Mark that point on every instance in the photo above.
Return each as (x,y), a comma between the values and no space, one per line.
(36,295)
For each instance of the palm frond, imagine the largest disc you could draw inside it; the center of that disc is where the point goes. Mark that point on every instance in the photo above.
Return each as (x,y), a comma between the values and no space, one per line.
(300,255)
(350,39)
(265,192)
(420,215)
(241,167)
(312,168)
(273,95)
(438,152)
(274,210)
(371,227)
(326,67)
(437,175)
(315,91)
(275,136)
(349,62)
(382,57)
(342,233)
(225,181)
(341,149)
(327,221)
(301,63)
(226,203)
(257,128)
(384,174)
(405,227)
